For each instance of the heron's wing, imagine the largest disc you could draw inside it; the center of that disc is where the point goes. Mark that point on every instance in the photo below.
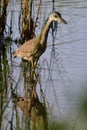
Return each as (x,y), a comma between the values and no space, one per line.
(27,49)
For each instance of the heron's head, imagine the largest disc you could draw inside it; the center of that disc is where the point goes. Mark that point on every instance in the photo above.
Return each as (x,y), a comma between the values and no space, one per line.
(56,16)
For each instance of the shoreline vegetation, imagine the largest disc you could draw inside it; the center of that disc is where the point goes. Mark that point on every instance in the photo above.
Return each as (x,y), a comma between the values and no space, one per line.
(23,101)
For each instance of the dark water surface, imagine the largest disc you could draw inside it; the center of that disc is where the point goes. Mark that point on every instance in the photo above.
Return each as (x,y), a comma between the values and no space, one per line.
(65,85)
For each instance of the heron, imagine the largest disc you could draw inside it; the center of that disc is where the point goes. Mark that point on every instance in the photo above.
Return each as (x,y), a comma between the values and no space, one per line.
(34,48)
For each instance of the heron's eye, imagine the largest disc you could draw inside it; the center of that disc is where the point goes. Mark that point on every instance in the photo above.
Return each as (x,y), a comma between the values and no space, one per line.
(56,16)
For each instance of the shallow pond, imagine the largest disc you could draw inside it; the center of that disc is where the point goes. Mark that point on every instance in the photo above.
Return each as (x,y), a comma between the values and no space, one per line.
(63,66)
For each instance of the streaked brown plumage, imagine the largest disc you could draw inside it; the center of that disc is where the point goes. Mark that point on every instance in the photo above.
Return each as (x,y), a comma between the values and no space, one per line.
(34,48)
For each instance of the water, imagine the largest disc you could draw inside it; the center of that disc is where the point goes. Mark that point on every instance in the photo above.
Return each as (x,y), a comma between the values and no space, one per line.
(70,81)
(71,45)
(65,87)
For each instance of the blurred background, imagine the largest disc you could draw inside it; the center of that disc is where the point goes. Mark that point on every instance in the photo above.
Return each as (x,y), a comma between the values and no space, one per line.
(59,100)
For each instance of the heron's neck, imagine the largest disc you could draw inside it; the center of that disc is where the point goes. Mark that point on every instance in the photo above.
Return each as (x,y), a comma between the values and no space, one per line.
(45,31)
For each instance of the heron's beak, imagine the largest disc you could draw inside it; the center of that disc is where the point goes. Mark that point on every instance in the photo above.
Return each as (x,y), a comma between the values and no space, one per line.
(63,21)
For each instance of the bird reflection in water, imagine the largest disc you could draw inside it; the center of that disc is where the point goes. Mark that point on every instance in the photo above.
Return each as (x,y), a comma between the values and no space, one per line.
(34,111)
